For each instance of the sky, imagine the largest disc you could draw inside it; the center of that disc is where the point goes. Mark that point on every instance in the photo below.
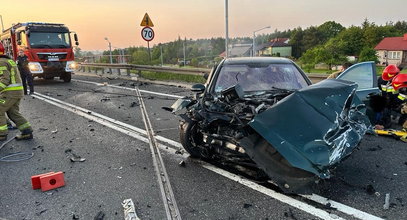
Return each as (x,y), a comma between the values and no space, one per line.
(119,20)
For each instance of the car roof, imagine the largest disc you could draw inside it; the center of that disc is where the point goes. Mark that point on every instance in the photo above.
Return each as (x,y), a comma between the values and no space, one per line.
(262,60)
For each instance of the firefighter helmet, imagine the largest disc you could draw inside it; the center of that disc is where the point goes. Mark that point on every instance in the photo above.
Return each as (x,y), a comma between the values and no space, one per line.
(399,81)
(1,49)
(390,72)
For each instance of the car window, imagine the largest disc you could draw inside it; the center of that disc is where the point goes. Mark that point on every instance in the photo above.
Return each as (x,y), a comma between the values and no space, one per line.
(260,77)
(361,73)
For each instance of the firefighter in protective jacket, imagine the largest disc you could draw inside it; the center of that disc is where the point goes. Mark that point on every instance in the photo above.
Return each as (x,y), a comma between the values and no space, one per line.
(399,83)
(11,92)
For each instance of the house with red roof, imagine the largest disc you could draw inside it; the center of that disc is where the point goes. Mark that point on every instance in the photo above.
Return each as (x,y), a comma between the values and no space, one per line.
(392,50)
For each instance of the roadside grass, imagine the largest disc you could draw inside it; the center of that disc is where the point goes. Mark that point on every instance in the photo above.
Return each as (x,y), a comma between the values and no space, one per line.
(170,77)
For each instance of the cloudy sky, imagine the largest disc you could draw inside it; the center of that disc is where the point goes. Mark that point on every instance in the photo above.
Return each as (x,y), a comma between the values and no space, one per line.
(119,20)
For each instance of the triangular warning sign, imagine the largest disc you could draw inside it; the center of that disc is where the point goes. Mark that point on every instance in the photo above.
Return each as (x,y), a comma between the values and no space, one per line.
(146,21)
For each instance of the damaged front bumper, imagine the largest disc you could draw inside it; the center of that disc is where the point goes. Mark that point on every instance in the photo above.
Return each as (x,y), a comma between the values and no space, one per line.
(314,128)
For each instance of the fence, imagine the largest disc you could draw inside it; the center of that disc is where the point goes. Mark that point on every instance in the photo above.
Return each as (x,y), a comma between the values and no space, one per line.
(107,68)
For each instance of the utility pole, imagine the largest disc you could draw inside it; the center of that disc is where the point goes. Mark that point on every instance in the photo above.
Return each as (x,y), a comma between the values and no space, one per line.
(161,50)
(227,29)
(184,51)
(254,38)
(110,50)
(2,25)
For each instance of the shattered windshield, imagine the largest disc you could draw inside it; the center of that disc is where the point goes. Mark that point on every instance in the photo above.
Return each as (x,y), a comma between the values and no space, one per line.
(49,40)
(260,77)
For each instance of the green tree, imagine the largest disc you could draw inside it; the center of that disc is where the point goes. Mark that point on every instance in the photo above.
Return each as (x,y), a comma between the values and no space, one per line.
(78,52)
(329,30)
(351,40)
(141,57)
(296,38)
(368,54)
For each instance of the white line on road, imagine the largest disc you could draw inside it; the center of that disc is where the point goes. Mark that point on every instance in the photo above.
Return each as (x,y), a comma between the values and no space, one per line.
(127,88)
(137,132)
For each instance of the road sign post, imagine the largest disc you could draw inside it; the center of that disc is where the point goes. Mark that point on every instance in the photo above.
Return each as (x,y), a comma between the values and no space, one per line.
(147,33)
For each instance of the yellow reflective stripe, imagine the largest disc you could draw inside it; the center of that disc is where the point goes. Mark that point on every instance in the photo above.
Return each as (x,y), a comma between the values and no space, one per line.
(24,126)
(2,101)
(401,97)
(12,63)
(3,128)
(2,85)
(14,88)
(3,68)
(13,76)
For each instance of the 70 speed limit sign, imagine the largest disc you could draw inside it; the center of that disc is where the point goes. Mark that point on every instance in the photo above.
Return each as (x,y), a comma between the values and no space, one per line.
(147,33)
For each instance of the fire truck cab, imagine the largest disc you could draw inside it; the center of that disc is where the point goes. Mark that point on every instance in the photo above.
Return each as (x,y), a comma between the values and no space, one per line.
(48,47)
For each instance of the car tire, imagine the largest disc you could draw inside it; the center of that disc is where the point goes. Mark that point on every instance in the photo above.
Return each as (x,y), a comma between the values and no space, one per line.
(190,138)
(67,77)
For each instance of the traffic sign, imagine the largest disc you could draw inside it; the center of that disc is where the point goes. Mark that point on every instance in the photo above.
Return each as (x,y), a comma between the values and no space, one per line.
(146,21)
(147,33)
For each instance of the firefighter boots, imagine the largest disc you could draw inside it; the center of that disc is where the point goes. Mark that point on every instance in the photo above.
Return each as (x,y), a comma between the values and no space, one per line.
(3,137)
(25,135)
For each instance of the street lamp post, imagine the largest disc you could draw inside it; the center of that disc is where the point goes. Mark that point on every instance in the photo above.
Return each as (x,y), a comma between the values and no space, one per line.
(254,39)
(226,29)
(110,49)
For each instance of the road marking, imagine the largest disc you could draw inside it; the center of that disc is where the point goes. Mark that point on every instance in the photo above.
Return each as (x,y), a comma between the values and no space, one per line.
(137,132)
(127,88)
(167,193)
(278,196)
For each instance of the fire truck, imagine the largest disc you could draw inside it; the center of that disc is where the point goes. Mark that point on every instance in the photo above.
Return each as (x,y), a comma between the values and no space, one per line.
(47,46)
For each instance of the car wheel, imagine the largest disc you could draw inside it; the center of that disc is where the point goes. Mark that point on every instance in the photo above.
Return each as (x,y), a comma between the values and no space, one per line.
(190,138)
(67,77)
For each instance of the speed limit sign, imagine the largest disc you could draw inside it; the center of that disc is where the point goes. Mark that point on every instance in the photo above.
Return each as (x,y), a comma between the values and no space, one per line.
(147,33)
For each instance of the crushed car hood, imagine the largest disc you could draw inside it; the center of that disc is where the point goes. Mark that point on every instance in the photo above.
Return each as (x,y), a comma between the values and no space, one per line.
(314,128)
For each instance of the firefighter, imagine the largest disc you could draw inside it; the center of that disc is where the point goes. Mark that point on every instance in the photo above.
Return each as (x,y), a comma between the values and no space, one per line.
(26,76)
(386,102)
(11,92)
(399,83)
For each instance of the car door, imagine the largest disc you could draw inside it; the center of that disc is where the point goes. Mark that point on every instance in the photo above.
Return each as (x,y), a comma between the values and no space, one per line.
(364,74)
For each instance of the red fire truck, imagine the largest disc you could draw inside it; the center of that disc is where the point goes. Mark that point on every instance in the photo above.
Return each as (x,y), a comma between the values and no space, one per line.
(48,47)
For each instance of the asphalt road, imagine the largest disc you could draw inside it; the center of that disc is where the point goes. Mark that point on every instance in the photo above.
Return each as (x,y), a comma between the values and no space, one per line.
(119,166)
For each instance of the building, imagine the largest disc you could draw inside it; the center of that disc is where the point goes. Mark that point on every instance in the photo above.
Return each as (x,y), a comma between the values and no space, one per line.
(392,50)
(276,47)
(239,50)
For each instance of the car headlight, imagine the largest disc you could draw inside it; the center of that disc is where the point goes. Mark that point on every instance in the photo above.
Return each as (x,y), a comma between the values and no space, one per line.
(35,67)
(71,66)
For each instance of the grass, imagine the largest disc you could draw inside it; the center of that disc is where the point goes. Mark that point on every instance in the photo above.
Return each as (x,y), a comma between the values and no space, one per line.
(171,77)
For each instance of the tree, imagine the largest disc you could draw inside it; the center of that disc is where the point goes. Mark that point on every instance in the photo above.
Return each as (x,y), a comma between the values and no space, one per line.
(141,57)
(368,54)
(296,38)
(78,52)
(329,30)
(352,40)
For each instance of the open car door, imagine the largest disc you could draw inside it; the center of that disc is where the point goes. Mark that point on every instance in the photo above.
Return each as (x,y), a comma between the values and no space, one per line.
(364,74)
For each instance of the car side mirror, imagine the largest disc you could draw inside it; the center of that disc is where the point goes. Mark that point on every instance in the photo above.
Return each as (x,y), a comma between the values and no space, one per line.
(198,88)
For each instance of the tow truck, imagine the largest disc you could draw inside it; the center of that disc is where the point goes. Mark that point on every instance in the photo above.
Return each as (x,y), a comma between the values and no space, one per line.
(48,47)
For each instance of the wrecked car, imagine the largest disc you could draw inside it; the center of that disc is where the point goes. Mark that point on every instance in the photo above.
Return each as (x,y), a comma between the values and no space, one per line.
(263,116)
